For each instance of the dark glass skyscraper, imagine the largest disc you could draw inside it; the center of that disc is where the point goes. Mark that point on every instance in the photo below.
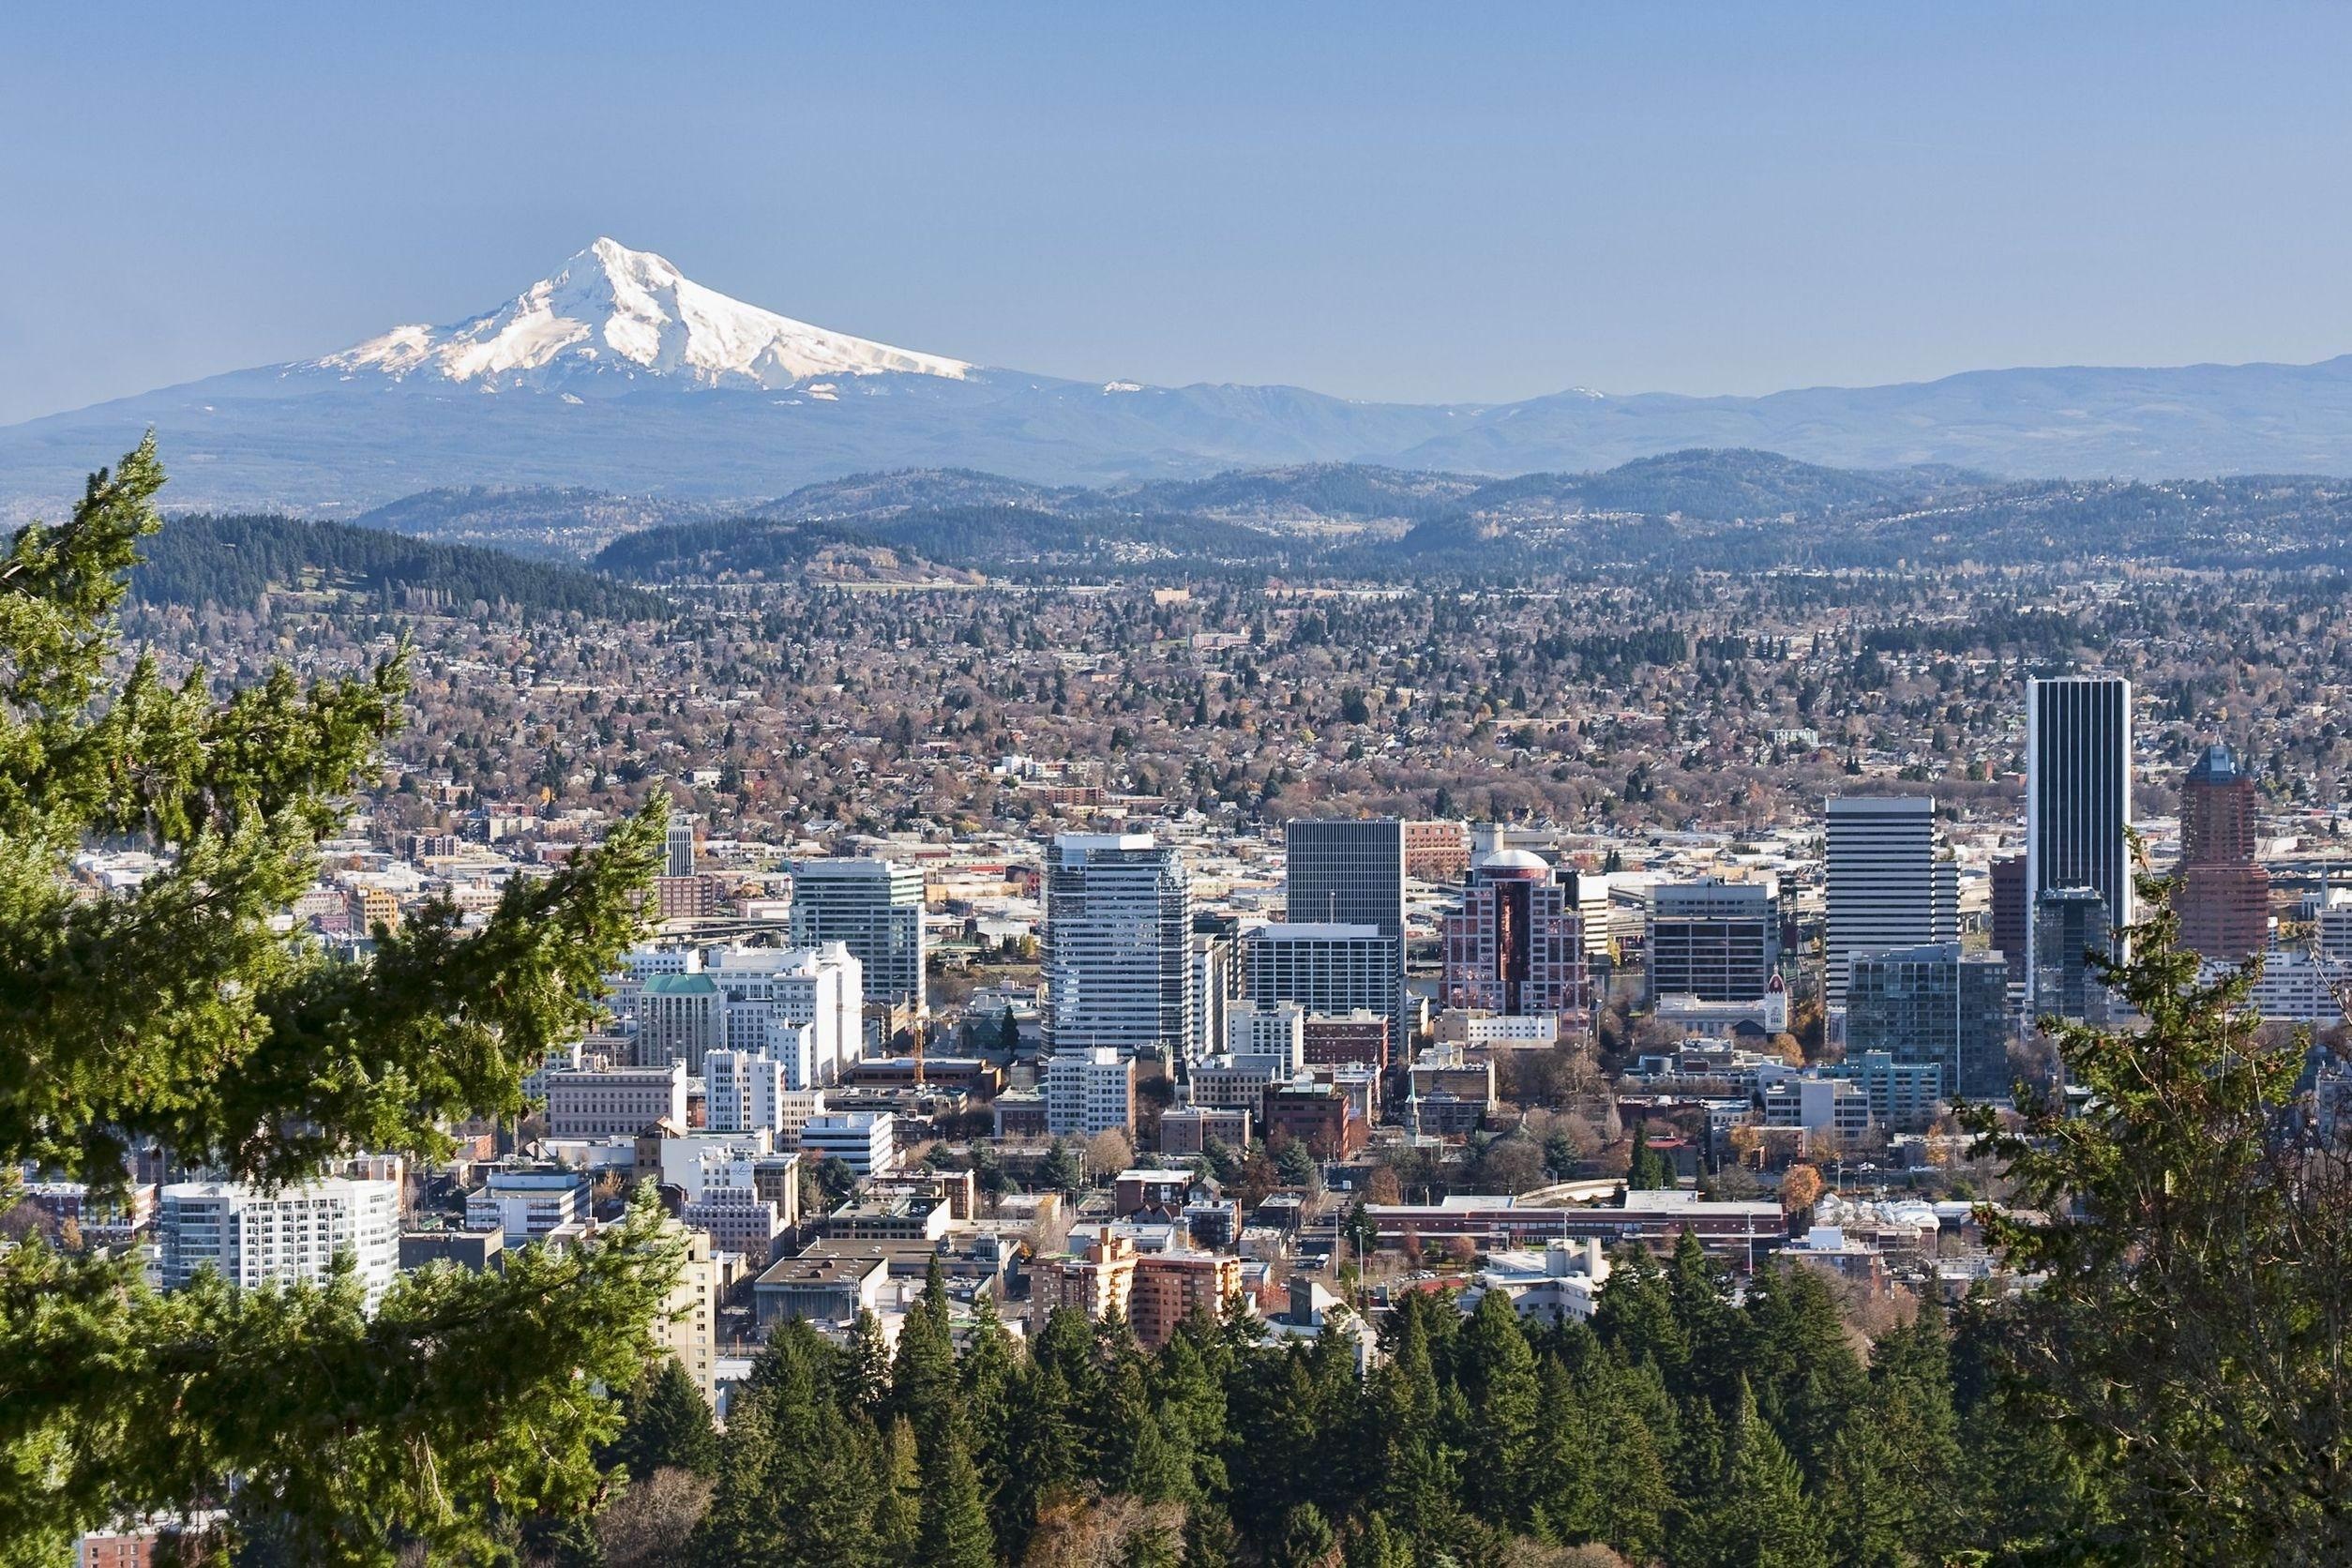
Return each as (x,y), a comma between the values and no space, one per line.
(2078,794)
(1351,873)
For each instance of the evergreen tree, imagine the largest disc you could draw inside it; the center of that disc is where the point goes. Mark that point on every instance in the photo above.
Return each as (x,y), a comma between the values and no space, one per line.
(800,1486)
(1143,1453)
(1191,1400)
(2192,1223)
(1209,1538)
(861,1368)
(1373,1544)
(1807,1380)
(1760,1516)
(666,1423)
(1629,1475)
(1497,1374)
(1048,1450)
(1647,1168)
(1273,1412)
(1909,1416)
(984,1374)
(1061,1170)
(1634,1317)
(899,1495)
(1305,1540)
(1563,1503)
(177,1013)
(923,1385)
(1710,1326)
(955,1519)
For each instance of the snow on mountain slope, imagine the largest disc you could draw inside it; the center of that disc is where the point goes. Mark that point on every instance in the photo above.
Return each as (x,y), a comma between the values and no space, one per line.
(612,314)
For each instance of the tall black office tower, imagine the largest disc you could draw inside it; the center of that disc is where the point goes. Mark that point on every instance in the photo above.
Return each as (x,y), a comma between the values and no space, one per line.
(2078,793)
(1351,873)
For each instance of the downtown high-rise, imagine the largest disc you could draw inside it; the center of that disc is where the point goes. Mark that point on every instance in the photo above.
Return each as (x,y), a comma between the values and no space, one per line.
(1342,872)
(1116,948)
(1517,947)
(2221,895)
(2079,800)
(874,908)
(1886,887)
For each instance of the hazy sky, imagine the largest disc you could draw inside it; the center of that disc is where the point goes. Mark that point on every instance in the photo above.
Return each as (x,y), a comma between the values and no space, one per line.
(1415,202)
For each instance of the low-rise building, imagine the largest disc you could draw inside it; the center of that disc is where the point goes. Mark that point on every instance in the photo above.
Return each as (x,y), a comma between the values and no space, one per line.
(866,1140)
(1358,1038)
(1838,1106)
(1560,1284)
(898,1217)
(824,1289)
(1186,1131)
(528,1205)
(1323,1117)
(1737,1231)
(616,1101)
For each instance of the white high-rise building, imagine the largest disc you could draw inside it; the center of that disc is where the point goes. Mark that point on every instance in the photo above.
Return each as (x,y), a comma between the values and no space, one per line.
(745,1090)
(680,845)
(1277,1033)
(1118,946)
(801,1007)
(1088,1092)
(874,908)
(255,1238)
(1886,888)
(2078,794)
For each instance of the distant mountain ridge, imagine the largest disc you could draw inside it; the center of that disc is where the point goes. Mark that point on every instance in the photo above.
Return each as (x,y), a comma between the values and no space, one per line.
(617,373)
(1715,511)
(233,561)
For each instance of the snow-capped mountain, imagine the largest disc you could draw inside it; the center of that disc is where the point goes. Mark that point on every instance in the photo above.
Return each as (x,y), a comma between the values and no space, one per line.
(617,373)
(610,315)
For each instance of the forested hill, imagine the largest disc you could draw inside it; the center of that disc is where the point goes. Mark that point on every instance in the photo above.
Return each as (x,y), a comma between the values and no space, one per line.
(234,561)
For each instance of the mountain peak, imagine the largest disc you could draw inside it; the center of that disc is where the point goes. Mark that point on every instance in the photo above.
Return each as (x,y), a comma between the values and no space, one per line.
(609,316)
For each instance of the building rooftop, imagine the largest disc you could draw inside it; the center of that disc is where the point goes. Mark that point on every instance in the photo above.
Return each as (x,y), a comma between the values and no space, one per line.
(2216,765)
(681,985)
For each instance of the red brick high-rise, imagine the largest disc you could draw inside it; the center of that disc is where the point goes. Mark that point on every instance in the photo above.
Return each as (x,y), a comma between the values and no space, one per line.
(2223,897)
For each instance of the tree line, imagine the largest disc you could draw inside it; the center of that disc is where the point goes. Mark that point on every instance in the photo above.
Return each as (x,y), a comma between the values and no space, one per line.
(234,561)
(1677,1426)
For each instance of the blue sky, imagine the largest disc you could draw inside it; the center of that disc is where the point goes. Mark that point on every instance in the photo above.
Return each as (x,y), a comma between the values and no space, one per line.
(1415,202)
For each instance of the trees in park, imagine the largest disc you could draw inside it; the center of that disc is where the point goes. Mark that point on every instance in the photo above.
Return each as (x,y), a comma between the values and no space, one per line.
(178,1014)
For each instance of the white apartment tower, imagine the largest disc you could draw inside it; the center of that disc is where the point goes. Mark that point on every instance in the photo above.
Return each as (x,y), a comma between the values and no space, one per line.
(1118,946)
(1088,1092)
(746,1092)
(800,1006)
(292,1235)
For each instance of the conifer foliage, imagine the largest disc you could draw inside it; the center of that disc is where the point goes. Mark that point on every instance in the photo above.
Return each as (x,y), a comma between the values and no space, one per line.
(1472,1438)
(177,1013)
